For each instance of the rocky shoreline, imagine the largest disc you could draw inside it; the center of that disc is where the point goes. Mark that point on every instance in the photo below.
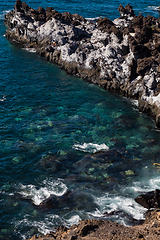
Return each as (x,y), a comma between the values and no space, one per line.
(106,230)
(93,229)
(121,55)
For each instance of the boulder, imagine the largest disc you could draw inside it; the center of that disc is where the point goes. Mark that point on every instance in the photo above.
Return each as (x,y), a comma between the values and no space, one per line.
(51,13)
(25,7)
(18,6)
(150,199)
(106,25)
(144,65)
(143,35)
(74,199)
(126,11)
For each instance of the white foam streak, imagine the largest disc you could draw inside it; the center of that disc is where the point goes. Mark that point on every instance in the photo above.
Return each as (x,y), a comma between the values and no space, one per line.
(96,214)
(134,102)
(32,50)
(90,147)
(57,188)
(110,203)
(143,186)
(73,220)
(92,19)
(154,8)
(44,227)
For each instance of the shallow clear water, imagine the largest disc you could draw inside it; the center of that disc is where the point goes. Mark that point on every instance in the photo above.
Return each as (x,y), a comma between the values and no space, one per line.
(51,122)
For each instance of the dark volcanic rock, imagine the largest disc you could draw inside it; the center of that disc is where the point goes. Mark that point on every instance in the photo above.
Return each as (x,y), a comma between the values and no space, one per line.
(120,55)
(106,25)
(51,13)
(73,199)
(150,199)
(18,6)
(126,11)
(25,7)
(49,203)
(144,65)
(104,230)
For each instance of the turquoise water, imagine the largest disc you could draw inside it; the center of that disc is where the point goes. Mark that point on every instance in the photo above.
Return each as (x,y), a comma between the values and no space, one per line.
(51,122)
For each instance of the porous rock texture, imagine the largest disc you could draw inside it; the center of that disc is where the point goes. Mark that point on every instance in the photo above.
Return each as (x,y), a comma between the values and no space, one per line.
(106,230)
(122,55)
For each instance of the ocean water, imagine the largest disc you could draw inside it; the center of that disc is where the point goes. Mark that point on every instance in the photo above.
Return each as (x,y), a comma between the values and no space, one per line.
(52,124)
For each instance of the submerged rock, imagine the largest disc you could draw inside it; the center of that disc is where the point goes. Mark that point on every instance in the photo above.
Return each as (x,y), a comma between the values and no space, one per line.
(106,167)
(50,163)
(77,200)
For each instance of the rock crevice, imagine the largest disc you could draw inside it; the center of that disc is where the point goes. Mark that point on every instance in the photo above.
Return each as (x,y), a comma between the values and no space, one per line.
(121,55)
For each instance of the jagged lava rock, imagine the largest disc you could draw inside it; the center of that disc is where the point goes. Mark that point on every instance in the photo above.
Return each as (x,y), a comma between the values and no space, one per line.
(150,199)
(121,55)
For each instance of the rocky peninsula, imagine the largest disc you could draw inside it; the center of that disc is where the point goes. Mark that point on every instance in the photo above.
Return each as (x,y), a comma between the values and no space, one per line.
(121,55)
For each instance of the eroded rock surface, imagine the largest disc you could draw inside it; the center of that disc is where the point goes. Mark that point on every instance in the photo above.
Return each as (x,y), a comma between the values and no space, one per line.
(106,230)
(122,55)
(150,199)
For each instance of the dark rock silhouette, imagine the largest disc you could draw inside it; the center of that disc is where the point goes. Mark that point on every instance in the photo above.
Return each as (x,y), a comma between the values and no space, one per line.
(150,199)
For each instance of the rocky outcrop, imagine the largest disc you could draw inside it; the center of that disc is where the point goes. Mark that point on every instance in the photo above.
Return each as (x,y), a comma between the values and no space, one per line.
(121,55)
(107,230)
(101,229)
(150,199)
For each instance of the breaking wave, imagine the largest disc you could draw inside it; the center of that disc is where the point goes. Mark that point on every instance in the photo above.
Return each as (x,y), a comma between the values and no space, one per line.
(49,187)
(154,8)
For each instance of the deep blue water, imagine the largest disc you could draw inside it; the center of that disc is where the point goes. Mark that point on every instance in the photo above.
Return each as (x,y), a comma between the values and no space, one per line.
(50,121)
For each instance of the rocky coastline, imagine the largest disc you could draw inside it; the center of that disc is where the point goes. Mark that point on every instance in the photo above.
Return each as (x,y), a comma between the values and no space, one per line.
(106,230)
(121,55)
(93,229)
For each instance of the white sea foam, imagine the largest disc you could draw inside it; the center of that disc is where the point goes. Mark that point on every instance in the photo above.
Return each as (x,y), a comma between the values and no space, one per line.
(44,227)
(73,220)
(49,187)
(33,50)
(91,147)
(145,185)
(128,204)
(92,19)
(134,102)
(111,203)
(2,14)
(154,8)
(96,214)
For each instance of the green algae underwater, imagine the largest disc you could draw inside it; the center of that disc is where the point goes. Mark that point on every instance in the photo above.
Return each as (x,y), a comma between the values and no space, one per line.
(58,134)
